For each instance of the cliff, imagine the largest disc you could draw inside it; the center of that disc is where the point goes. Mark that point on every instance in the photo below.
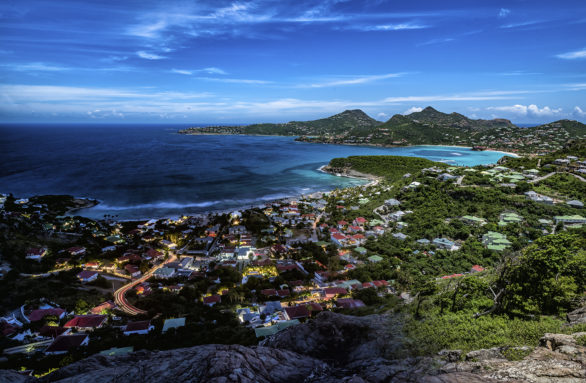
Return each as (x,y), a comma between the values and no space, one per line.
(332,348)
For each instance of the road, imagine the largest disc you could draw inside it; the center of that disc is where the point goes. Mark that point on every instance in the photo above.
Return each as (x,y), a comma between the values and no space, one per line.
(536,180)
(119,295)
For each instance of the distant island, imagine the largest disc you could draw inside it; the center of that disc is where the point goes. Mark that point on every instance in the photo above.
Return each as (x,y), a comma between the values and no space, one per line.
(427,127)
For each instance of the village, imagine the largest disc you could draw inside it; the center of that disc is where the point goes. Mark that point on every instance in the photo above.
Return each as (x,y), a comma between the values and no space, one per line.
(269,267)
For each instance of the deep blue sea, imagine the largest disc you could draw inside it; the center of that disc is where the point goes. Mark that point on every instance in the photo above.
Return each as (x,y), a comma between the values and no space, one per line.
(144,171)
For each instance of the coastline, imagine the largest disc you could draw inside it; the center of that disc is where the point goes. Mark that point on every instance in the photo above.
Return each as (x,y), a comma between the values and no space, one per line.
(348,144)
(369,179)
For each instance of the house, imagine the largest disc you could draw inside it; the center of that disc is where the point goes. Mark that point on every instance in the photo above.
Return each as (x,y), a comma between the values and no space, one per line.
(392,202)
(472,220)
(360,221)
(212,300)
(53,331)
(339,239)
(296,312)
(495,241)
(173,323)
(396,216)
(271,307)
(331,292)
(133,270)
(77,250)
(103,308)
(87,276)
(476,269)
(400,236)
(265,331)
(65,343)
(349,303)
(139,327)
(509,217)
(375,258)
(533,196)
(37,315)
(569,219)
(575,203)
(164,273)
(36,253)
(168,244)
(154,255)
(86,322)
(444,243)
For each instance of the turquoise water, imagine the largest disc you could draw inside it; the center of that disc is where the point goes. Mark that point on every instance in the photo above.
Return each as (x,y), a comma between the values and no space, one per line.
(150,171)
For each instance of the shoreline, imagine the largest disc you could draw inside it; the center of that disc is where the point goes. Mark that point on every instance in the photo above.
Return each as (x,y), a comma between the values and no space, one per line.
(344,144)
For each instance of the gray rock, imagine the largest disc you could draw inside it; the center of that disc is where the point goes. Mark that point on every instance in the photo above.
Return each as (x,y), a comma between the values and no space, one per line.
(577,316)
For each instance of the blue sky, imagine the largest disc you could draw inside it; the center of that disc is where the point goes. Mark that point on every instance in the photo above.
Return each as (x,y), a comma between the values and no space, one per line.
(218,61)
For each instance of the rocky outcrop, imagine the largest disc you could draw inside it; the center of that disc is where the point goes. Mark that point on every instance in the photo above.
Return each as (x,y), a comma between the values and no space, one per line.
(332,348)
(577,316)
(558,359)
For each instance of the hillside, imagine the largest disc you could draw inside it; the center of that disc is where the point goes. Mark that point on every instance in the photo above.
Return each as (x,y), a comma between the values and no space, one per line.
(429,126)
(341,123)
(390,167)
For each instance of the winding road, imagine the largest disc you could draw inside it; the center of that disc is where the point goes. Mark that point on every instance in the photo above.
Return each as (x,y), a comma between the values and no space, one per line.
(119,295)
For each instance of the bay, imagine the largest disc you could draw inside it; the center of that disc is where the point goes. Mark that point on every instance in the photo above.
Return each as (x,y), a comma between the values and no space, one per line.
(150,171)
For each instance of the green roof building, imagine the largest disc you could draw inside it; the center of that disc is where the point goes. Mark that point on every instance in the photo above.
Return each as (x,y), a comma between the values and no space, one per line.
(495,241)
(375,258)
(472,220)
(509,217)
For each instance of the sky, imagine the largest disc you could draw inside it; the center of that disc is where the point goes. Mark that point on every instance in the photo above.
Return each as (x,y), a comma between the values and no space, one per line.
(216,61)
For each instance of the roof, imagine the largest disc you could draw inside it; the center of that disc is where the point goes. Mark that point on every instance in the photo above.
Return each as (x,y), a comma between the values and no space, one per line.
(51,331)
(297,312)
(86,274)
(86,321)
(349,303)
(335,290)
(173,323)
(39,314)
(138,326)
(64,343)
(212,299)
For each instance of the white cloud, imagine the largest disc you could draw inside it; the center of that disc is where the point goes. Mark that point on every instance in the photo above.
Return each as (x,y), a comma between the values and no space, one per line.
(527,110)
(182,71)
(579,112)
(37,67)
(351,80)
(581,54)
(149,56)
(521,24)
(437,41)
(210,70)
(504,12)
(413,109)
(382,116)
(389,27)
(234,80)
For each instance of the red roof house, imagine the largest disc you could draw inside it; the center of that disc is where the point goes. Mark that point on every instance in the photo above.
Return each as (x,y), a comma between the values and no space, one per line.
(66,343)
(87,276)
(331,292)
(37,315)
(139,327)
(87,322)
(296,312)
(212,300)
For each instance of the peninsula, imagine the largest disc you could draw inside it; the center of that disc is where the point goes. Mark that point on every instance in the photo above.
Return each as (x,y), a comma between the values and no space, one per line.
(427,127)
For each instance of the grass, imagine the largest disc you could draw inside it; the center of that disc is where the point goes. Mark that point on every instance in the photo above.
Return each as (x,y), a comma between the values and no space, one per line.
(460,331)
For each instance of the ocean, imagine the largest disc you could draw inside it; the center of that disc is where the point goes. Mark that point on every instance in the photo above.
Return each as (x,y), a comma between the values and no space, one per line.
(150,171)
